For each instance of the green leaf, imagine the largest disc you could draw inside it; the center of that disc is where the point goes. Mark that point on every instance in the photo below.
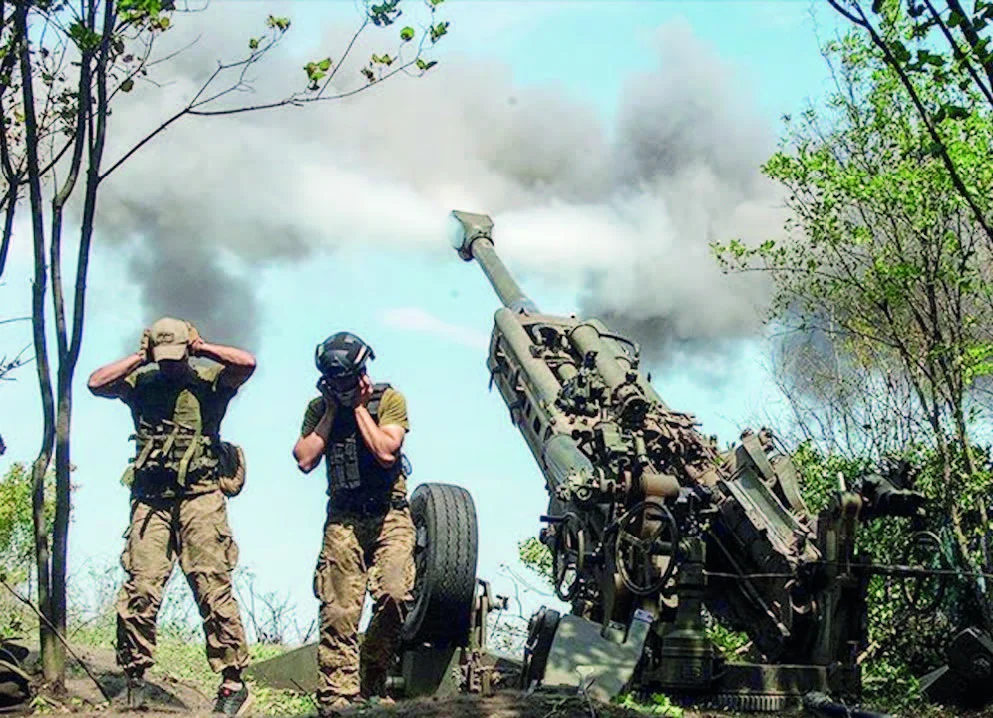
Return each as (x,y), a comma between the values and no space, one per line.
(407,34)
(325,64)
(316,70)
(439,30)
(84,38)
(253,44)
(900,52)
(421,65)
(278,23)
(127,85)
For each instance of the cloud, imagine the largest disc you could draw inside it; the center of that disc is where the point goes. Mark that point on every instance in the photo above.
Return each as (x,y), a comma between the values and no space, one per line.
(628,211)
(415,319)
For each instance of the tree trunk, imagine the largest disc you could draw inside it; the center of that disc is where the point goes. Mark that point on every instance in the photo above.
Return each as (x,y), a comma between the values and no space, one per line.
(60,531)
(53,670)
(46,636)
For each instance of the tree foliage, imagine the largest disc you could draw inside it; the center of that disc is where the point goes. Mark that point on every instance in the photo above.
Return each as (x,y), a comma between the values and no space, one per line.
(943,45)
(16,532)
(17,541)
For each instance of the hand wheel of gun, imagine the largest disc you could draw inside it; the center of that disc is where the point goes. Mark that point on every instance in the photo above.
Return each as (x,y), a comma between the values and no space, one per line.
(647,534)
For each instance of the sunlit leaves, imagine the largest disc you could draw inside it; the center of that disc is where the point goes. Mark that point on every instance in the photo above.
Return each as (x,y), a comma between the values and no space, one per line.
(149,14)
(84,38)
(282,24)
(439,30)
(316,71)
(386,13)
(882,247)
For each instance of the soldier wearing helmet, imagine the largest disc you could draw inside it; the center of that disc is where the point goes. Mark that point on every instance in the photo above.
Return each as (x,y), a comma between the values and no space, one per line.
(358,428)
(179,479)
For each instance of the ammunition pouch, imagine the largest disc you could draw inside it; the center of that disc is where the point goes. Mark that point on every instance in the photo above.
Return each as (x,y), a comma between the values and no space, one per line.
(172,451)
(343,464)
(231,468)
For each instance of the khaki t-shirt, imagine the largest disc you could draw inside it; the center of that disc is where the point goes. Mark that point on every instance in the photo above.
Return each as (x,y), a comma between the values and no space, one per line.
(392,412)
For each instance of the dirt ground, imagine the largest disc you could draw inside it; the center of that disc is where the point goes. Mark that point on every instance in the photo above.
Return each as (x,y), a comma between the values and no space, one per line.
(173,697)
(509,704)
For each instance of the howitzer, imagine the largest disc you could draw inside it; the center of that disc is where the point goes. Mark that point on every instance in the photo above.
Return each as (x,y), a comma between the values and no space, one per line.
(651,526)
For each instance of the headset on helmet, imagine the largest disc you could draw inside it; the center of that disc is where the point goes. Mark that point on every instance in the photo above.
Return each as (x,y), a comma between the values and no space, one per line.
(342,356)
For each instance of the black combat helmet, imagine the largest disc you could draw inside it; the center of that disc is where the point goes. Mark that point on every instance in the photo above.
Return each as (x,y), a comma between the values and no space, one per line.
(341,357)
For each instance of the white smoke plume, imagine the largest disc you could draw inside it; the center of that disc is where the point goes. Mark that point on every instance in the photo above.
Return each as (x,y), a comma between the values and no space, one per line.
(627,212)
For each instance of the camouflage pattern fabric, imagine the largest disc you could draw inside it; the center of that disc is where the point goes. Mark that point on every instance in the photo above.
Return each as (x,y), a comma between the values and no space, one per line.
(195,530)
(374,552)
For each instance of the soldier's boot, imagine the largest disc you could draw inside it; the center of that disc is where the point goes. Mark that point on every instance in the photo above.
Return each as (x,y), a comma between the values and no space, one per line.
(233,701)
(336,707)
(384,701)
(137,692)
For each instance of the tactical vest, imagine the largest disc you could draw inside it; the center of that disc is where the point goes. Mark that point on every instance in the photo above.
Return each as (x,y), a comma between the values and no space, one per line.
(356,480)
(173,457)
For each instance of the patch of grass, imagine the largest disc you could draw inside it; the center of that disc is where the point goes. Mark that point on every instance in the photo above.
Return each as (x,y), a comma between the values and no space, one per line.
(185,660)
(275,702)
(658,704)
(180,656)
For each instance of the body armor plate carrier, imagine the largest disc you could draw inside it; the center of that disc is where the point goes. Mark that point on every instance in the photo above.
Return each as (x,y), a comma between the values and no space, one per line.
(356,480)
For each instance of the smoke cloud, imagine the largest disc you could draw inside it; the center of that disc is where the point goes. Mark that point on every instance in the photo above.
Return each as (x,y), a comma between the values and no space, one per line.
(626,213)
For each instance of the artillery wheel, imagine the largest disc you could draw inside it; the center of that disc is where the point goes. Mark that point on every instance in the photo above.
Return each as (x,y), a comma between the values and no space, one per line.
(541,633)
(646,531)
(445,557)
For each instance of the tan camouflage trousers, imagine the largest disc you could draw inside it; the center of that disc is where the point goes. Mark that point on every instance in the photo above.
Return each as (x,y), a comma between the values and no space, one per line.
(195,530)
(359,553)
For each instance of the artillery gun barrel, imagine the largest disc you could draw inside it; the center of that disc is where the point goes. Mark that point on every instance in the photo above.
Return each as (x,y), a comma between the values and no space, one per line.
(518,342)
(472,237)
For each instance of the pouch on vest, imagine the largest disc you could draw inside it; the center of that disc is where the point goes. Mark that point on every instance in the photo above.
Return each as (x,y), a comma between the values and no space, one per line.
(343,465)
(231,468)
(172,449)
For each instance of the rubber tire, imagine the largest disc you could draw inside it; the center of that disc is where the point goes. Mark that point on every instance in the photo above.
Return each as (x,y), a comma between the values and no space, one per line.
(445,588)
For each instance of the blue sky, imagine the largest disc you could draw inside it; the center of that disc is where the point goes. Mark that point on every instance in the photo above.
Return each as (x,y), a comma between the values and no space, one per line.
(460,432)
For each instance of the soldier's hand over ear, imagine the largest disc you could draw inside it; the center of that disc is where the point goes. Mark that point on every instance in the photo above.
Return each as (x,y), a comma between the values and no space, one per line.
(195,342)
(365,391)
(144,348)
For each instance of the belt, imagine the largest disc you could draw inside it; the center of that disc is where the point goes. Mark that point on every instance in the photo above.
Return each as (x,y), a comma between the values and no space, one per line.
(373,506)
